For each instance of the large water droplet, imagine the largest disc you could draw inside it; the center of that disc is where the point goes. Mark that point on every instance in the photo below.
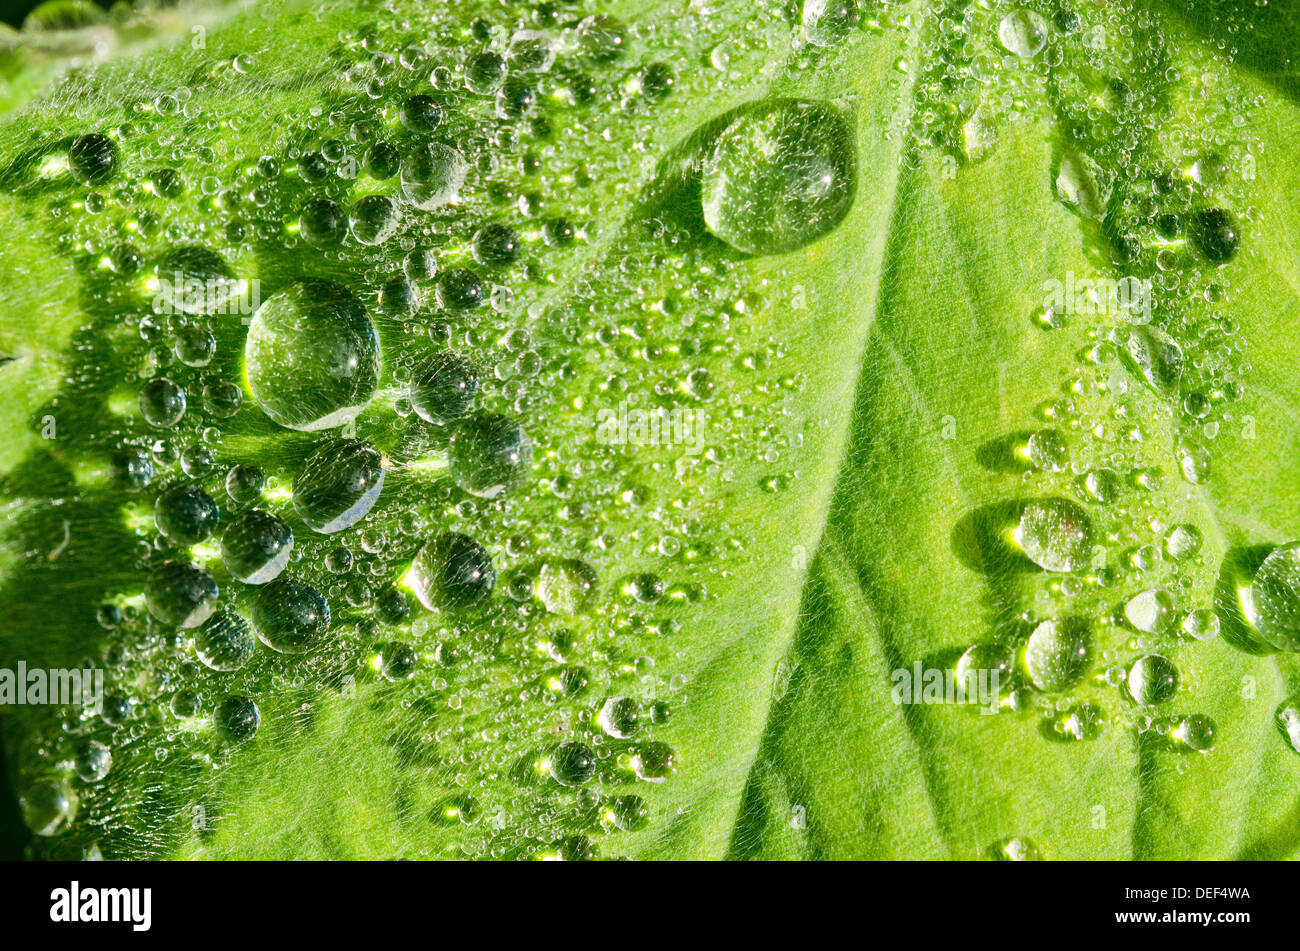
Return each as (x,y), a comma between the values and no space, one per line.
(1057,654)
(312,356)
(444,387)
(186,514)
(180,594)
(291,617)
(829,22)
(1153,355)
(338,485)
(236,719)
(1288,720)
(432,175)
(780,175)
(256,546)
(490,456)
(453,573)
(1056,534)
(1023,33)
(225,642)
(1152,679)
(1274,603)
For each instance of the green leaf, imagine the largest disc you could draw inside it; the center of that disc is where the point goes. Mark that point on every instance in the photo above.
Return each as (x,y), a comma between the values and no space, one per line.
(851,509)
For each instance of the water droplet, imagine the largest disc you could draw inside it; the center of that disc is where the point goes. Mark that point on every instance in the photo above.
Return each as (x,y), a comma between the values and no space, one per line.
(1103,485)
(444,387)
(433,175)
(453,573)
(620,717)
(92,158)
(93,761)
(1048,450)
(312,356)
(186,514)
(1058,653)
(1056,534)
(977,665)
(1201,624)
(421,114)
(244,483)
(1152,679)
(1149,611)
(290,617)
(780,175)
(654,762)
(829,22)
(186,704)
(572,764)
(1150,353)
(460,290)
(1274,602)
(1023,33)
(1183,541)
(1214,234)
(565,586)
(490,456)
(1195,732)
(162,402)
(397,661)
(180,594)
(225,642)
(236,719)
(374,219)
(338,485)
(1288,720)
(255,547)
(1081,183)
(193,279)
(48,807)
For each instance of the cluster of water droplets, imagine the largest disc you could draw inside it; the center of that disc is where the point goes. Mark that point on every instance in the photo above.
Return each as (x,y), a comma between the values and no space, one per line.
(345,360)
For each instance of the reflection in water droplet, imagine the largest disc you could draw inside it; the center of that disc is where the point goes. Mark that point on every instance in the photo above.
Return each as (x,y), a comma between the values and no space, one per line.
(490,456)
(236,719)
(432,175)
(1023,33)
(225,642)
(453,573)
(1152,679)
(180,594)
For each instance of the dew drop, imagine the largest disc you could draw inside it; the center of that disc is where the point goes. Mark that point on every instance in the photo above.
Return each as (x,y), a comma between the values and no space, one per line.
(290,617)
(255,547)
(1056,534)
(433,175)
(1023,33)
(1152,679)
(338,485)
(180,594)
(779,176)
(225,642)
(236,719)
(490,456)
(1058,653)
(1274,602)
(453,573)
(312,356)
